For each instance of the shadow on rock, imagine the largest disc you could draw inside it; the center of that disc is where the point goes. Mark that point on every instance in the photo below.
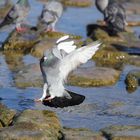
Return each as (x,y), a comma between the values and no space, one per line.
(64,102)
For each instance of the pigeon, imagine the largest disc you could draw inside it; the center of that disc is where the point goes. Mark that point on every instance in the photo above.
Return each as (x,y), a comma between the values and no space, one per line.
(51,12)
(17,15)
(114,14)
(59,61)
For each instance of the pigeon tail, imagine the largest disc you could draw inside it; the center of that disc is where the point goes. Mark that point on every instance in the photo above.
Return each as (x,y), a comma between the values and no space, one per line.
(67,95)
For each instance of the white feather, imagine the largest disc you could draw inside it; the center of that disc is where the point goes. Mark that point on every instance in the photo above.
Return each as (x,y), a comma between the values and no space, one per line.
(77,57)
(62,38)
(67,46)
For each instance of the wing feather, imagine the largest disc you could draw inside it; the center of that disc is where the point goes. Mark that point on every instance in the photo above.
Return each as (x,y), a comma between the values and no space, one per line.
(77,57)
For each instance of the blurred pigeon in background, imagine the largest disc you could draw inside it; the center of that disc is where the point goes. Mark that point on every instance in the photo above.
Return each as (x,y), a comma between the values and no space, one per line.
(51,12)
(114,14)
(17,15)
(58,62)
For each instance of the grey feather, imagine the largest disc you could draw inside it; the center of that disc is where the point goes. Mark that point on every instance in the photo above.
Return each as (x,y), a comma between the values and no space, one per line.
(17,14)
(113,12)
(50,14)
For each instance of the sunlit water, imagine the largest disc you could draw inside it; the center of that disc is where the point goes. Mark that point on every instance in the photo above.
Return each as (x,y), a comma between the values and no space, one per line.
(96,111)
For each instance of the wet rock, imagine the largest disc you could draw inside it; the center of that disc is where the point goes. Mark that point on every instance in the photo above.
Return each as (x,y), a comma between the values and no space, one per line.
(110,57)
(116,50)
(93,76)
(81,134)
(123,39)
(122,132)
(134,60)
(20,41)
(39,49)
(48,40)
(132,7)
(78,3)
(124,110)
(33,125)
(75,3)
(57,35)
(17,60)
(6,116)
(101,32)
(29,76)
(132,80)
(4,10)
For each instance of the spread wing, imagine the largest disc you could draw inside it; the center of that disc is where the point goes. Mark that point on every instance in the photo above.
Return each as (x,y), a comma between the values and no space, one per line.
(77,57)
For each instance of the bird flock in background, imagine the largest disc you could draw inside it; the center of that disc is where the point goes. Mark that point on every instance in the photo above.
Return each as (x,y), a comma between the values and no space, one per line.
(114,15)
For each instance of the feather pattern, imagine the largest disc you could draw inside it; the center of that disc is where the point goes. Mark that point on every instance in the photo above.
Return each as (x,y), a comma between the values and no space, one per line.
(56,68)
(77,57)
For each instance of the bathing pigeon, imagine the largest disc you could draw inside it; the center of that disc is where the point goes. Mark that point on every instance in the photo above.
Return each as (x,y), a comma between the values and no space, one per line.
(50,15)
(17,14)
(114,14)
(58,62)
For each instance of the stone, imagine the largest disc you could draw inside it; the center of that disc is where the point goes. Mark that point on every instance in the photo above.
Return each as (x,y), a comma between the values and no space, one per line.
(134,60)
(6,115)
(85,77)
(27,78)
(21,41)
(93,76)
(81,134)
(122,132)
(33,125)
(132,80)
(77,3)
(4,10)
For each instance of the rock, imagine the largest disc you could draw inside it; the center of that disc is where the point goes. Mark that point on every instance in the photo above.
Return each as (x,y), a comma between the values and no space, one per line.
(123,39)
(4,10)
(6,116)
(20,41)
(93,76)
(77,3)
(99,76)
(33,125)
(48,40)
(132,7)
(81,134)
(122,132)
(17,60)
(134,60)
(132,80)
(26,77)
(39,49)
(57,35)
(123,111)
(110,57)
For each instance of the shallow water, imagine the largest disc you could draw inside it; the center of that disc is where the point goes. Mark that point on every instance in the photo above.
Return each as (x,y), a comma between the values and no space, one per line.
(99,108)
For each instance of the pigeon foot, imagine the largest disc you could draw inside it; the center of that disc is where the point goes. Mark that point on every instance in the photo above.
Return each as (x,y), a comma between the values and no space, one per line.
(21,29)
(49,99)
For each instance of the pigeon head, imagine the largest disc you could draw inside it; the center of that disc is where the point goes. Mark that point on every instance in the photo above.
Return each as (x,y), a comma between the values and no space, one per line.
(101,4)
